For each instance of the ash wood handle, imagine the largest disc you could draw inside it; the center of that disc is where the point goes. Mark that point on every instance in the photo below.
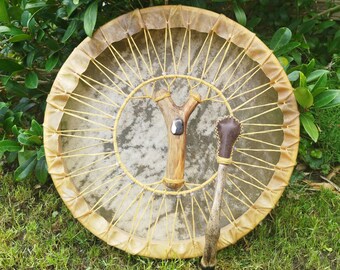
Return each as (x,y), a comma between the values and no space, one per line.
(174,175)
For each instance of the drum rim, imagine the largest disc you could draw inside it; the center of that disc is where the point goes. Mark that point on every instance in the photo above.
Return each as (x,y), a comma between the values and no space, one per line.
(67,80)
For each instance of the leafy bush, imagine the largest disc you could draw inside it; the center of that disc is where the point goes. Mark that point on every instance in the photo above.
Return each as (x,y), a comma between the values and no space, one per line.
(38,35)
(316,85)
(36,38)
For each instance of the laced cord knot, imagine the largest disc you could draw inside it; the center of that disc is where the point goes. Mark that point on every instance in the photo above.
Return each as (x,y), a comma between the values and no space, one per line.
(223,160)
(173,181)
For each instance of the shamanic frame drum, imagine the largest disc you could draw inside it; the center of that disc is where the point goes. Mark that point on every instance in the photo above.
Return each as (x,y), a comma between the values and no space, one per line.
(129,130)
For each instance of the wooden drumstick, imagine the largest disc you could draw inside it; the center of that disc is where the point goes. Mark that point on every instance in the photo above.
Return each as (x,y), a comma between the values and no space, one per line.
(228,130)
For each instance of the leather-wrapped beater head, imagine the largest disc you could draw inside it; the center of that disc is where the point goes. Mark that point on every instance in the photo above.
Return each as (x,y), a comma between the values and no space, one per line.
(228,129)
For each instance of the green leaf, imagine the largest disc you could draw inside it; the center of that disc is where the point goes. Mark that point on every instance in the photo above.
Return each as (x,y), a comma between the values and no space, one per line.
(4,79)
(281,37)
(306,26)
(239,14)
(18,116)
(24,170)
(283,61)
(40,35)
(307,121)
(10,146)
(310,66)
(335,102)
(318,91)
(302,82)
(324,25)
(15,13)
(15,130)
(303,96)
(12,156)
(30,58)
(10,66)
(32,23)
(8,124)
(4,29)
(334,45)
(90,18)
(41,170)
(31,80)
(316,74)
(19,38)
(35,5)
(15,89)
(297,56)
(24,105)
(69,31)
(3,109)
(29,140)
(24,155)
(320,85)
(11,30)
(70,7)
(51,62)
(294,76)
(25,16)
(3,12)
(253,22)
(325,98)
(40,152)
(287,48)
(61,12)
(36,128)
(52,44)
(3,105)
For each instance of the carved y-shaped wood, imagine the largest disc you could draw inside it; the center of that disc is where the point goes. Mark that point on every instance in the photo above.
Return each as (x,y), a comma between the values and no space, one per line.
(176,120)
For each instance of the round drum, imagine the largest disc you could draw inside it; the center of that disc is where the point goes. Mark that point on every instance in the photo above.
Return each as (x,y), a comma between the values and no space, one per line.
(107,142)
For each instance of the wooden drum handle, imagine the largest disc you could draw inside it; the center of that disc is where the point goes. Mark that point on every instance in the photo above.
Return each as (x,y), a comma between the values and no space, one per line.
(176,120)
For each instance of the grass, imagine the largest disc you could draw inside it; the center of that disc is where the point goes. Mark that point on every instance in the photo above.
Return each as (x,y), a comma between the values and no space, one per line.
(38,232)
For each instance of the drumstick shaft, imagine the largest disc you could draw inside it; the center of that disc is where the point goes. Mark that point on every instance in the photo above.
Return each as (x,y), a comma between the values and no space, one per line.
(212,233)
(228,130)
